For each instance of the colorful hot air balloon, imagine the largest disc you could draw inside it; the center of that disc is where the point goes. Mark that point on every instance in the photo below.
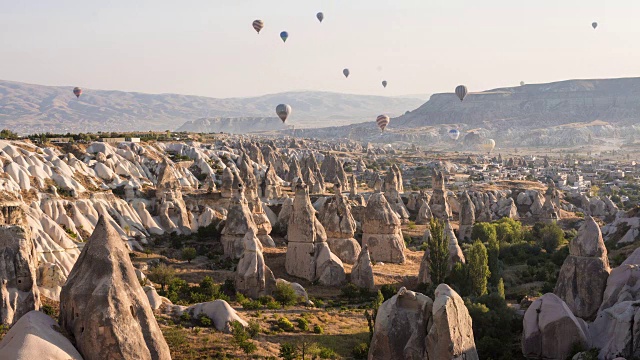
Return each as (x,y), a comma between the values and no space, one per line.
(521,83)
(346,73)
(258,25)
(594,25)
(382,121)
(384,83)
(320,16)
(454,134)
(461,92)
(283,111)
(488,145)
(77,92)
(284,36)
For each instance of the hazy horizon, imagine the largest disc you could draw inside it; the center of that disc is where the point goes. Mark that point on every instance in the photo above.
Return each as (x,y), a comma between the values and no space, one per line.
(208,48)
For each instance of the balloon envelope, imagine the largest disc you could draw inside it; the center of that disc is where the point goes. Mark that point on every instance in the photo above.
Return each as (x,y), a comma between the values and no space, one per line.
(488,145)
(521,83)
(77,92)
(320,16)
(283,111)
(258,25)
(384,83)
(382,121)
(461,92)
(594,24)
(284,36)
(346,73)
(454,134)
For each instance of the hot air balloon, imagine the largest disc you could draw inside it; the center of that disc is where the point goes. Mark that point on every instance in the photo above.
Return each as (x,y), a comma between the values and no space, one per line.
(594,25)
(454,134)
(283,111)
(346,73)
(521,83)
(284,36)
(382,121)
(384,83)
(488,145)
(258,25)
(461,92)
(320,16)
(77,92)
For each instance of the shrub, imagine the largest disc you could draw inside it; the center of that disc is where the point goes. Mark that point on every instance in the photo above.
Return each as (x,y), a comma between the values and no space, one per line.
(185,317)
(484,232)
(388,291)
(317,329)
(273,305)
(360,351)
(47,309)
(162,274)
(252,305)
(288,351)
(326,353)
(189,254)
(350,291)
(241,338)
(303,324)
(285,294)
(254,328)
(204,320)
(284,324)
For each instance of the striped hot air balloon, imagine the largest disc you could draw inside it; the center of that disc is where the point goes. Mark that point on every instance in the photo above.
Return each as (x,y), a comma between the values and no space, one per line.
(283,111)
(488,145)
(461,92)
(258,25)
(77,92)
(382,121)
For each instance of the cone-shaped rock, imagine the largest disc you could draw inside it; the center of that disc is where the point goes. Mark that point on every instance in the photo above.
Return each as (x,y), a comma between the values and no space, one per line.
(583,277)
(382,232)
(253,276)
(104,308)
(362,272)
(340,226)
(239,222)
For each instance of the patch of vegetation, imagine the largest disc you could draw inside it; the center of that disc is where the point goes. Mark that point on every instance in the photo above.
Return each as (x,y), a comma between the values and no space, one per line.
(285,295)
(241,338)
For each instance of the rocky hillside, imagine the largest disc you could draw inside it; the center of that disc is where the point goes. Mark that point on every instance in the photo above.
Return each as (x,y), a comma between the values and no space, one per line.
(233,125)
(28,108)
(534,106)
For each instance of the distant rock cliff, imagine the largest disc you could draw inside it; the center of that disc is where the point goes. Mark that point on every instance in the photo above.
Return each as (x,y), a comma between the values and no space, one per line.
(233,125)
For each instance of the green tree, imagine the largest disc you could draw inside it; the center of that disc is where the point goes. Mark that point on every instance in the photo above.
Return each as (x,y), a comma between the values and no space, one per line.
(162,274)
(288,351)
(493,250)
(501,288)
(483,231)
(438,248)
(189,254)
(508,230)
(371,317)
(241,338)
(478,268)
(285,295)
(548,237)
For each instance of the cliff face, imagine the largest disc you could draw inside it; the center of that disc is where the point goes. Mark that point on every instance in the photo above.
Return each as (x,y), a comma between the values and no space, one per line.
(534,106)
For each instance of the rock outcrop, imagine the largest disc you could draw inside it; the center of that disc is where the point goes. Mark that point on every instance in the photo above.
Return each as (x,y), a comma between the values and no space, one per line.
(104,308)
(583,277)
(308,254)
(362,271)
(467,217)
(239,222)
(340,226)
(172,209)
(18,264)
(412,326)
(438,202)
(551,330)
(382,232)
(253,276)
(35,336)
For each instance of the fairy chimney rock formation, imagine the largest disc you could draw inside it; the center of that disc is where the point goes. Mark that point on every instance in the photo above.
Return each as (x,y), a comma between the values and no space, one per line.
(253,276)
(18,263)
(172,209)
(438,202)
(340,226)
(362,271)
(382,232)
(467,217)
(239,222)
(104,308)
(583,277)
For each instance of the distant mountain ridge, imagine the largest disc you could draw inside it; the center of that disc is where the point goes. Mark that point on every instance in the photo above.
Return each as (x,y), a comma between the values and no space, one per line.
(533,106)
(29,108)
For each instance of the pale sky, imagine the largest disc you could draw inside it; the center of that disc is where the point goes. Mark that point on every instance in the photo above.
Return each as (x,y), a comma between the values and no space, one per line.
(208,47)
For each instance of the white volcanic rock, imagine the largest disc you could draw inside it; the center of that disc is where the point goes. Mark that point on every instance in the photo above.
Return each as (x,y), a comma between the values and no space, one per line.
(382,232)
(35,336)
(219,311)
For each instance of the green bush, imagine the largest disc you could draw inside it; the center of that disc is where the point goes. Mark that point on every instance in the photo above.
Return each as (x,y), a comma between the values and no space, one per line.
(350,291)
(388,291)
(302,323)
(254,328)
(47,309)
(204,320)
(288,351)
(185,317)
(484,232)
(360,351)
(273,305)
(189,254)
(326,353)
(284,324)
(285,295)
(317,329)
(241,338)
